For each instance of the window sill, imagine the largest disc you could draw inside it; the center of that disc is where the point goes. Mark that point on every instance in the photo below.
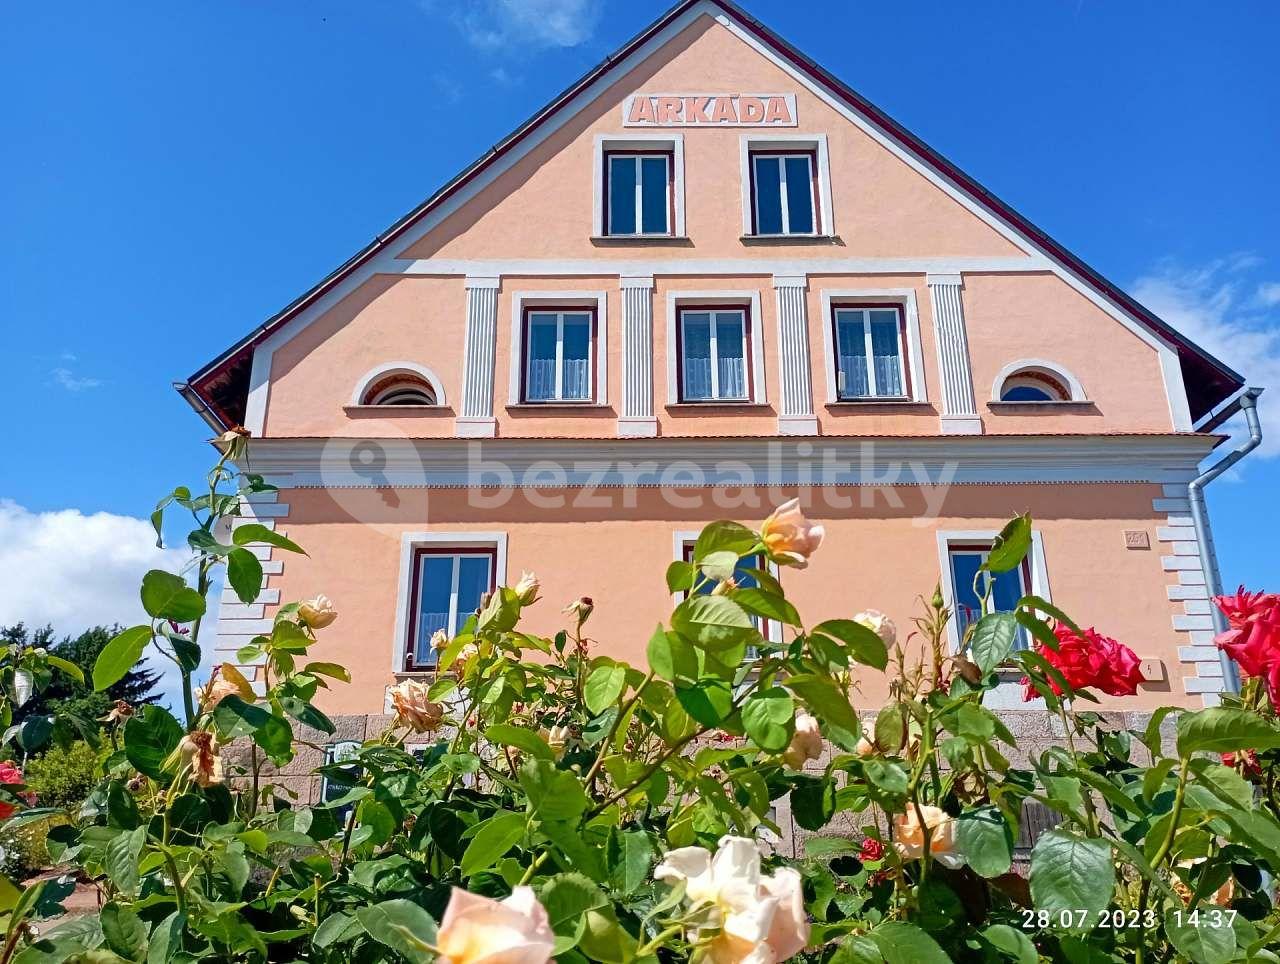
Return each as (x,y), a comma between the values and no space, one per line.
(791,239)
(878,403)
(1068,405)
(640,239)
(553,406)
(393,410)
(693,406)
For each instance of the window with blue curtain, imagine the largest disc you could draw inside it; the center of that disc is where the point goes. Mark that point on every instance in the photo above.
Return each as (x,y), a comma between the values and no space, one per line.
(713,355)
(783,187)
(450,586)
(869,358)
(1006,589)
(558,360)
(639,194)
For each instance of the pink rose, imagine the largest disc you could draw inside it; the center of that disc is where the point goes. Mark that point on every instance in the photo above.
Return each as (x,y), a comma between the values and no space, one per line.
(478,930)
(790,538)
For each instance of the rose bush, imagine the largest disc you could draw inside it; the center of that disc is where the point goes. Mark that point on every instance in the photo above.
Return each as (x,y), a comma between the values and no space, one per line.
(538,798)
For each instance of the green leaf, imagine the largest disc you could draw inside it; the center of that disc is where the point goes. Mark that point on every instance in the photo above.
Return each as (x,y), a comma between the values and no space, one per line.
(763,603)
(306,714)
(724,536)
(822,848)
(166,939)
(520,738)
(1011,942)
(68,667)
(567,898)
(1201,942)
(255,532)
(992,640)
(709,700)
(553,794)
(1071,873)
(857,949)
(496,836)
(813,801)
(123,930)
(603,687)
(121,861)
(825,698)
(903,943)
(769,716)
(1221,729)
(1010,547)
(119,656)
(244,573)
(167,596)
(719,565)
(150,735)
(986,840)
(1034,603)
(863,644)
(402,926)
(680,575)
(713,622)
(332,670)
(671,657)
(629,855)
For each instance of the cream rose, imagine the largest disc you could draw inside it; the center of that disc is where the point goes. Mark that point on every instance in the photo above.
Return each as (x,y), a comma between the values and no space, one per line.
(746,918)
(865,748)
(789,537)
(526,589)
(806,744)
(878,623)
(478,930)
(413,708)
(908,835)
(318,612)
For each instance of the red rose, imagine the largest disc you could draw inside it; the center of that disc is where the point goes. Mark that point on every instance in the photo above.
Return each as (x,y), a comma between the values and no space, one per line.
(872,849)
(1090,660)
(1253,640)
(1247,759)
(8,774)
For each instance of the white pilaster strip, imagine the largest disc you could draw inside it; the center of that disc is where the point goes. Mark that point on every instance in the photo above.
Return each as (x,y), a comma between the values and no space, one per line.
(795,369)
(476,415)
(637,418)
(959,410)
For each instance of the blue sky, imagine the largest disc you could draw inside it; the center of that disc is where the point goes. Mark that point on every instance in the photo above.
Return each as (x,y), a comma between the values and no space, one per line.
(173,173)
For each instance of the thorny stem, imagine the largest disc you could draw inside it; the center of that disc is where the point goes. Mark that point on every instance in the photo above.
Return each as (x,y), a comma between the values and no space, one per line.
(613,729)
(1090,812)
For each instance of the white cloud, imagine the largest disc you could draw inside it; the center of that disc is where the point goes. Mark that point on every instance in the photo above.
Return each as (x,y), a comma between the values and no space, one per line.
(74,571)
(1268,294)
(501,24)
(73,383)
(1211,305)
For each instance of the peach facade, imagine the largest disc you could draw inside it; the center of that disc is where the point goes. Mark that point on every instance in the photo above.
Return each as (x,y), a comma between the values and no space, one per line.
(1023,382)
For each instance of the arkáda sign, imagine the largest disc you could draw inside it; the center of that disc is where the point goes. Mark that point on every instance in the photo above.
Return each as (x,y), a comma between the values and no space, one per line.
(709,110)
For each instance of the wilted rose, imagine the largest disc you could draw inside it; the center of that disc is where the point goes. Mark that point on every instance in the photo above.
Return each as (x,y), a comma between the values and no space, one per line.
(196,750)
(790,538)
(806,744)
(413,708)
(317,613)
(479,930)
(580,609)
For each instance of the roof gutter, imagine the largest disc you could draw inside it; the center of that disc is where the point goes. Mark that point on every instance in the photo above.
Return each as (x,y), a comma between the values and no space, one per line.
(204,411)
(1247,402)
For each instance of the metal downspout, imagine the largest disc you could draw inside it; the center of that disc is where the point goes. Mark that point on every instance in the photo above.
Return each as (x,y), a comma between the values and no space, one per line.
(1248,403)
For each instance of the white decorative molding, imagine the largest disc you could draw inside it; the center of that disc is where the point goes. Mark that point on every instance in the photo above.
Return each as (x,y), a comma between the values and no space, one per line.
(751,301)
(637,418)
(827,460)
(398,368)
(749,143)
(959,408)
(238,623)
(520,300)
(410,541)
(702,267)
(795,366)
(478,357)
(638,142)
(902,297)
(1033,364)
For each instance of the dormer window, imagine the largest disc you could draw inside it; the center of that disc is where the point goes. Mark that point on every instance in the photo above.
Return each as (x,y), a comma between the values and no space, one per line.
(638,186)
(401,384)
(1033,386)
(1034,381)
(401,390)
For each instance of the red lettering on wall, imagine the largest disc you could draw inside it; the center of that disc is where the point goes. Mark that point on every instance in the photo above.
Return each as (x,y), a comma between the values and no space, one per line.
(695,110)
(751,109)
(724,112)
(777,112)
(641,110)
(669,110)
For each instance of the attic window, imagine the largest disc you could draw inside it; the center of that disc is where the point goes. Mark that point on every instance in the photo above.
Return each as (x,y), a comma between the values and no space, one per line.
(1033,385)
(400,389)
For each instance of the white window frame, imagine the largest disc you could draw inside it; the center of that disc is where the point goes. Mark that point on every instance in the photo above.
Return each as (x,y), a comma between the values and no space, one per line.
(714,327)
(686,538)
(379,372)
(784,194)
(610,157)
(1053,369)
(962,537)
(820,181)
(522,300)
(869,355)
(625,143)
(559,396)
(410,542)
(913,361)
(750,300)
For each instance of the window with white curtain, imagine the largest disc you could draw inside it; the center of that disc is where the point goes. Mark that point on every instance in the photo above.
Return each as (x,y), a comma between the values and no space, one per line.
(869,354)
(713,355)
(448,587)
(558,355)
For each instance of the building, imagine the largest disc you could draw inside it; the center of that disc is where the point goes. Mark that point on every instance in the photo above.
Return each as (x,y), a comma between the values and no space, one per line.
(704,278)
